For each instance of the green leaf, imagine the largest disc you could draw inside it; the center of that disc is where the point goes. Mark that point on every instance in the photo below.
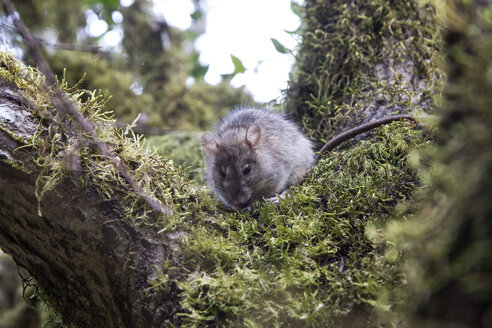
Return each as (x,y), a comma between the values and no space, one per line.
(238,68)
(280,47)
(292,32)
(238,65)
(199,71)
(196,15)
(227,77)
(297,9)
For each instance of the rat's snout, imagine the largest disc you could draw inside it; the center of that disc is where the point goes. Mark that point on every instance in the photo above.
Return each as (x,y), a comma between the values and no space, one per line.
(244,204)
(243,200)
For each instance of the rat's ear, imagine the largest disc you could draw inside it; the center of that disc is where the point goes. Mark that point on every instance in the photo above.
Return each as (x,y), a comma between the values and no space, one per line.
(209,144)
(253,134)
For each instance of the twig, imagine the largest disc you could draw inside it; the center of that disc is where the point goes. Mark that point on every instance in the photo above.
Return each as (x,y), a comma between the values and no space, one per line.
(65,105)
(145,129)
(75,47)
(63,45)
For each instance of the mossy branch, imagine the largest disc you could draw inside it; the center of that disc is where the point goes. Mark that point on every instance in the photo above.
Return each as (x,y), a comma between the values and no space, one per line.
(90,256)
(64,105)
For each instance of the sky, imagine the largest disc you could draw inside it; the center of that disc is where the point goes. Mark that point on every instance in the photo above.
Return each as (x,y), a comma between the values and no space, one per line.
(242,28)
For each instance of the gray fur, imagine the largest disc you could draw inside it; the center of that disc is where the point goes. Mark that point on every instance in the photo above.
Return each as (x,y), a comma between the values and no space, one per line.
(280,158)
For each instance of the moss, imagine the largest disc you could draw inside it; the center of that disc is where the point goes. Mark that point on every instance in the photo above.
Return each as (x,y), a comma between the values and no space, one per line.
(318,258)
(360,60)
(281,265)
(165,99)
(92,72)
(64,150)
(185,150)
(448,238)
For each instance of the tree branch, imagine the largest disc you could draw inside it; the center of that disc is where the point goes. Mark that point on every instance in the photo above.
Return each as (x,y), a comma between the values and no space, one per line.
(64,105)
(89,261)
(62,45)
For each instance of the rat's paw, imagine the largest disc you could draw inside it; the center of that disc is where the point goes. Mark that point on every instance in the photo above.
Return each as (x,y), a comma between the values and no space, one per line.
(276,199)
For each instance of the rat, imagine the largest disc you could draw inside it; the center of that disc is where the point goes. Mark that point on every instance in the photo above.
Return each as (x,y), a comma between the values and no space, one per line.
(255,154)
(259,153)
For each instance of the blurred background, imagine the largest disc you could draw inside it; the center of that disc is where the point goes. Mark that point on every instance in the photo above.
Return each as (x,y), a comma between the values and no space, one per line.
(173,67)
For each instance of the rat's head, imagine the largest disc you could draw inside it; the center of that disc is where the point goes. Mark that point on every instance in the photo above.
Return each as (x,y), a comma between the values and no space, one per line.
(233,165)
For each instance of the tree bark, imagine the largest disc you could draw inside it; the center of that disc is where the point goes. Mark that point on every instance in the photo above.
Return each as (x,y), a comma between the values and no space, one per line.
(80,250)
(363,60)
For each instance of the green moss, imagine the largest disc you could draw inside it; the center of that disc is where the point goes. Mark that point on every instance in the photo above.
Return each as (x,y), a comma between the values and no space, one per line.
(94,72)
(280,265)
(360,60)
(318,257)
(165,99)
(185,150)
(448,238)
(63,151)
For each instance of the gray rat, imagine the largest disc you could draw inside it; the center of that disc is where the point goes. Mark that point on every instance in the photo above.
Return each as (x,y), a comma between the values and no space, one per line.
(255,154)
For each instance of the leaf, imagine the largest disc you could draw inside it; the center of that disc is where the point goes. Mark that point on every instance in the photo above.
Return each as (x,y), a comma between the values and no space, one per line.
(292,32)
(297,9)
(279,47)
(238,68)
(238,65)
(227,77)
(199,71)
(196,15)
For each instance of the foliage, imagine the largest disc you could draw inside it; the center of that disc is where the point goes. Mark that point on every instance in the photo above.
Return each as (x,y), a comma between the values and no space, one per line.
(339,249)
(59,156)
(156,72)
(309,260)
(91,72)
(66,19)
(238,68)
(279,46)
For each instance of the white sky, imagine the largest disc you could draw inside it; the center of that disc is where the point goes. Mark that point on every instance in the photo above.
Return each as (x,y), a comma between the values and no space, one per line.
(242,28)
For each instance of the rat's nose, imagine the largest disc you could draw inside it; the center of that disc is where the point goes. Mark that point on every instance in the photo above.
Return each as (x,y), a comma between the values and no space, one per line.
(243,199)
(244,204)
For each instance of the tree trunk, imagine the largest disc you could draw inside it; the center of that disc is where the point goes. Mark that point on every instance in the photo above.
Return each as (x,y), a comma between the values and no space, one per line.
(92,264)
(363,60)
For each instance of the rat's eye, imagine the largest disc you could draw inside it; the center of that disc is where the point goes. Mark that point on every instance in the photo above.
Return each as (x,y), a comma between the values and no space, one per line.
(246,169)
(222,173)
